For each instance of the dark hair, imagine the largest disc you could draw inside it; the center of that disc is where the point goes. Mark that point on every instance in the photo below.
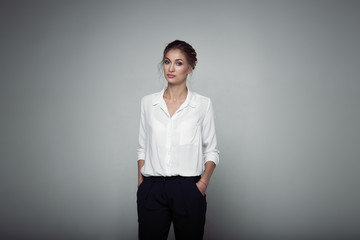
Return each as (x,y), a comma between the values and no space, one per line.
(185,48)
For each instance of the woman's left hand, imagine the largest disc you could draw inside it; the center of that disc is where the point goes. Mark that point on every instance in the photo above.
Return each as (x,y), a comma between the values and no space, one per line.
(202,187)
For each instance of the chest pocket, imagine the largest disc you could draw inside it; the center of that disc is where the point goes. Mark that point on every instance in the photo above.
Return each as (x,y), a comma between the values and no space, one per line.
(189,132)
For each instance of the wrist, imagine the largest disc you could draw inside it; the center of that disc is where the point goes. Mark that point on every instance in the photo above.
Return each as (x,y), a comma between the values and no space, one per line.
(203,182)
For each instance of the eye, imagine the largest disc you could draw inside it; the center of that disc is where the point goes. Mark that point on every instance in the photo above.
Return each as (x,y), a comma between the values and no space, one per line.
(166,62)
(179,63)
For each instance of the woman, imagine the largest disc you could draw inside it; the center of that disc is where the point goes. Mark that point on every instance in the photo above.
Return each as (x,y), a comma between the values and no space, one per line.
(177,152)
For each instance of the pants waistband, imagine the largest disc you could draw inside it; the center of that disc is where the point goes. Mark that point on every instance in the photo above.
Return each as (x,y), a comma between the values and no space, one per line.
(163,178)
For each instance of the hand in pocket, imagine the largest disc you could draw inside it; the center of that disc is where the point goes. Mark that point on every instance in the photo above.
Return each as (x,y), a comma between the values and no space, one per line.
(202,187)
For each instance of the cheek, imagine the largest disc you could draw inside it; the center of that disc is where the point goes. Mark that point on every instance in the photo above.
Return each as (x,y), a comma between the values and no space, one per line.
(182,70)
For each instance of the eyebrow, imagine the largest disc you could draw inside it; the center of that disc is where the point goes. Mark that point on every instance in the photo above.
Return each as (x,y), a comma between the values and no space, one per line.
(178,59)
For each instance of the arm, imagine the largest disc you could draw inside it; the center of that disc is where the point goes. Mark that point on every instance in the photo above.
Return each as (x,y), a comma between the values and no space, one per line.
(205,179)
(140,176)
(141,143)
(210,151)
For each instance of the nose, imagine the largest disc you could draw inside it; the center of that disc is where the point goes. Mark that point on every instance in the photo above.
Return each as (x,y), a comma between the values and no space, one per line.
(171,68)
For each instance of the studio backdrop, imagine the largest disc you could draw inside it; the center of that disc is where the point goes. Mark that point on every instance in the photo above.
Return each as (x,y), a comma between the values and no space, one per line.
(283,77)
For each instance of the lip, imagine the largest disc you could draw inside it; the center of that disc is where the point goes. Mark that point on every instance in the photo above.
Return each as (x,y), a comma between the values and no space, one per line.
(171,75)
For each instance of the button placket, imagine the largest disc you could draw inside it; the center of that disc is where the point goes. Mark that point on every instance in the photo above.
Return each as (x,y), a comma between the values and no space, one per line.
(169,143)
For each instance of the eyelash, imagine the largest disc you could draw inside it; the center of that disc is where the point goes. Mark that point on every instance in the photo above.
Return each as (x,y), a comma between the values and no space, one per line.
(167,62)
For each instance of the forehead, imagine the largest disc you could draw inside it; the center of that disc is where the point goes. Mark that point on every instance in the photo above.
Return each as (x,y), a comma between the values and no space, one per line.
(175,54)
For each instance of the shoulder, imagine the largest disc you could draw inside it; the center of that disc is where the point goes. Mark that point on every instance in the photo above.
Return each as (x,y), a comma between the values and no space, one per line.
(150,98)
(201,101)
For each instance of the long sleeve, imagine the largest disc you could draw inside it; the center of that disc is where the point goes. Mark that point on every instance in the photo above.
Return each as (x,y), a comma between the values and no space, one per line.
(142,133)
(209,145)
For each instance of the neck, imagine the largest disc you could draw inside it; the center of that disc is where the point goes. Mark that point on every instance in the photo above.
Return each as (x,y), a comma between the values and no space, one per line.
(176,92)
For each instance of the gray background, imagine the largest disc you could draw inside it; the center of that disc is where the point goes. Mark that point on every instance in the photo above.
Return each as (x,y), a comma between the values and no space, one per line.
(284,80)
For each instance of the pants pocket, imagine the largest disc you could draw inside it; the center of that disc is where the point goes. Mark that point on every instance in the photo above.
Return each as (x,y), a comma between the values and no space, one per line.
(197,189)
(143,192)
(195,201)
(139,188)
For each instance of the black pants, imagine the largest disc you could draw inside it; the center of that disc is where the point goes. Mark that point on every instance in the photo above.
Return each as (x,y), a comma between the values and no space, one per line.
(162,200)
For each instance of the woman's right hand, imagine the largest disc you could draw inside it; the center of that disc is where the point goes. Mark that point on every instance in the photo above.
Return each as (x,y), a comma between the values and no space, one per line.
(140,176)
(140,181)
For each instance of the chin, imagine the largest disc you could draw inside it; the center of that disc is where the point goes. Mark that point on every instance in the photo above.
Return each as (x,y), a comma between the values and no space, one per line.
(169,80)
(173,81)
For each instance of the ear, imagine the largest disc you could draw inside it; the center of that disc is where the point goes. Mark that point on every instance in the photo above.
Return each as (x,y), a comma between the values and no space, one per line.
(189,70)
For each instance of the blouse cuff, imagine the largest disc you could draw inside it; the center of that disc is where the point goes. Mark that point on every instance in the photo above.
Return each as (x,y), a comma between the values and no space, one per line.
(141,156)
(212,156)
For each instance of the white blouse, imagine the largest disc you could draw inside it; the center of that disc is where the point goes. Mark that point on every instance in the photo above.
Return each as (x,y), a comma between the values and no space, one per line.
(177,145)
